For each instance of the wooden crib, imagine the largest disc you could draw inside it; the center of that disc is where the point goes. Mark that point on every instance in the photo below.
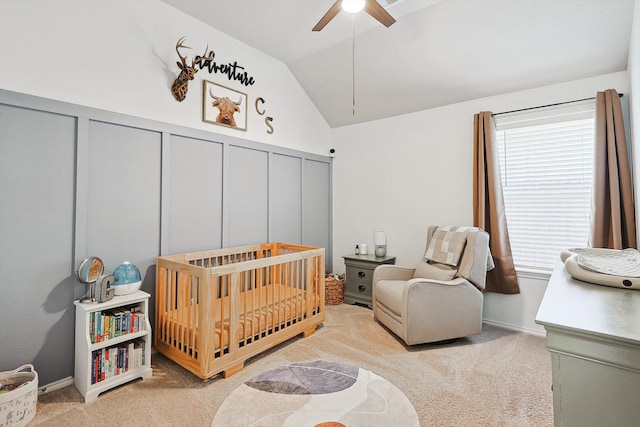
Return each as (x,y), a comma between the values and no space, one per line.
(215,309)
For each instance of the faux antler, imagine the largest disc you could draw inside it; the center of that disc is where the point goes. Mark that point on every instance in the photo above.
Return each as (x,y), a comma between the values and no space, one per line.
(180,85)
(183,59)
(202,58)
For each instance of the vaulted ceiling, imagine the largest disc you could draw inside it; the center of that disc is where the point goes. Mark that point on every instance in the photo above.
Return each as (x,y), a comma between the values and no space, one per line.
(438,52)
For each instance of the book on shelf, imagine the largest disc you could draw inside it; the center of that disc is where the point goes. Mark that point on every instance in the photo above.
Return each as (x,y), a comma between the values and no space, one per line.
(108,324)
(112,361)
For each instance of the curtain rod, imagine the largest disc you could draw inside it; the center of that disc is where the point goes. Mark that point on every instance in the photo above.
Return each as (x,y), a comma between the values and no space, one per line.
(549,105)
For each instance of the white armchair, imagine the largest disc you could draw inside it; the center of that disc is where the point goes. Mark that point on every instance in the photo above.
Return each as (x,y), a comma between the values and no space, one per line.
(440,299)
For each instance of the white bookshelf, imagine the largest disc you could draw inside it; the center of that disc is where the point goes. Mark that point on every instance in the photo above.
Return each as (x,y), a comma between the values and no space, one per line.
(85,363)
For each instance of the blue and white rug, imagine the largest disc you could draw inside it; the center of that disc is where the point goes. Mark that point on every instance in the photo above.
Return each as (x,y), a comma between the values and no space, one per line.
(316,394)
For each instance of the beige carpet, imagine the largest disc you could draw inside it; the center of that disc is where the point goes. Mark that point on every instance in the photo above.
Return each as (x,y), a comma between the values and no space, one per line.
(498,378)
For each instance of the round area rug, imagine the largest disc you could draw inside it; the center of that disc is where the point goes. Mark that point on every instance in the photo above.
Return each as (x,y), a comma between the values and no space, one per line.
(316,394)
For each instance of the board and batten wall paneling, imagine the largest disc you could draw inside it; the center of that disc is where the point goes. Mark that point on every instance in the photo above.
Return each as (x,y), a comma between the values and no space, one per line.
(195,195)
(285,199)
(124,198)
(247,210)
(37,152)
(317,206)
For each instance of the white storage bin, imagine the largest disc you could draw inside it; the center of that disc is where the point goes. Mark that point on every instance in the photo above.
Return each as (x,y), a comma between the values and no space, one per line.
(18,406)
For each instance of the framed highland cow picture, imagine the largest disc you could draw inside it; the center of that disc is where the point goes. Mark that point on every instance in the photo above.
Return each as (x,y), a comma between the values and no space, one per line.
(224,106)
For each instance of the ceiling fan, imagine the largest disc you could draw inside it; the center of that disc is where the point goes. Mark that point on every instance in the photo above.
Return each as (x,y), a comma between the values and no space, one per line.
(372,7)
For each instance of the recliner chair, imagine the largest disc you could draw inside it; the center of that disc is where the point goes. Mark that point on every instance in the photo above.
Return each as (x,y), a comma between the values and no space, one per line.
(441,299)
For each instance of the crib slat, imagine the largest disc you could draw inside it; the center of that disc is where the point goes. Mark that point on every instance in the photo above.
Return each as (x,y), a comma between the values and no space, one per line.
(181,305)
(172,298)
(220,315)
(193,294)
(309,290)
(275,279)
(233,312)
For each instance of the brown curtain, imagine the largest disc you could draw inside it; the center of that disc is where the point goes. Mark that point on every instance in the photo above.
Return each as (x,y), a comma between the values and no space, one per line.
(613,213)
(488,205)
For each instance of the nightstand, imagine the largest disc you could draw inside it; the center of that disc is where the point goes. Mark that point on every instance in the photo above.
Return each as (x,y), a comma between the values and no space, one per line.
(360,275)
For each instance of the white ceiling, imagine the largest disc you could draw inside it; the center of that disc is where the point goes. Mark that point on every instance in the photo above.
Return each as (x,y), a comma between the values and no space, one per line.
(438,52)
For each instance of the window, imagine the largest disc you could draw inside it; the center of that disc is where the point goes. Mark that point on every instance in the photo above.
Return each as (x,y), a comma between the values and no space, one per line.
(546,162)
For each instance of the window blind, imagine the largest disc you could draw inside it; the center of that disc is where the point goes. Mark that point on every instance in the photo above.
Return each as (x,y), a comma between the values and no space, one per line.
(547,174)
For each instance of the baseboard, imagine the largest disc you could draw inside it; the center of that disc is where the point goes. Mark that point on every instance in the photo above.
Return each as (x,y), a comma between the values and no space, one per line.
(56,385)
(514,328)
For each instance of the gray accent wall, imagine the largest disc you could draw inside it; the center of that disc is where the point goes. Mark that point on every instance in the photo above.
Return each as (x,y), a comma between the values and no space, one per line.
(248,200)
(285,207)
(194,217)
(77,181)
(316,200)
(37,153)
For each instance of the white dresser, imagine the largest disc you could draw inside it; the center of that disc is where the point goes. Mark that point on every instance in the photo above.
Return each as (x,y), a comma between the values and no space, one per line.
(593,334)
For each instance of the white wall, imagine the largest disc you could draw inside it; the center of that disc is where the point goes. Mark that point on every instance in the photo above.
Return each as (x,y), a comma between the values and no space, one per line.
(120,56)
(404,173)
(634,76)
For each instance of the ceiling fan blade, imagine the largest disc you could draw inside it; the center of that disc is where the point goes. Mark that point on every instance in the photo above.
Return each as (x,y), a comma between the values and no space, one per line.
(331,13)
(373,8)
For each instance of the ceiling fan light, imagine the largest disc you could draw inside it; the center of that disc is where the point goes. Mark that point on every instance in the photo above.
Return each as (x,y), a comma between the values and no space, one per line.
(352,6)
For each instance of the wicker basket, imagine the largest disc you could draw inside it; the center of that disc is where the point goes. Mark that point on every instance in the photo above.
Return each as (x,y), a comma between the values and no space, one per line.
(18,406)
(334,289)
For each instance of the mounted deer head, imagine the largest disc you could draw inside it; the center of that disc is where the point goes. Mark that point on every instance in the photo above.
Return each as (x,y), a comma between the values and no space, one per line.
(180,85)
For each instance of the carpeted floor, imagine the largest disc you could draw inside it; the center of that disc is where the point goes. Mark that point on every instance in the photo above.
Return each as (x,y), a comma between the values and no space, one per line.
(498,378)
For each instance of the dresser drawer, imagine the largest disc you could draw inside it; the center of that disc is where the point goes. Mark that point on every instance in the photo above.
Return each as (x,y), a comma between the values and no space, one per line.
(359,274)
(358,287)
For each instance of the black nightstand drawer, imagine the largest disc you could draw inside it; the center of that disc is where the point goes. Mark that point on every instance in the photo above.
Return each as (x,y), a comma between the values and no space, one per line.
(355,274)
(358,287)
